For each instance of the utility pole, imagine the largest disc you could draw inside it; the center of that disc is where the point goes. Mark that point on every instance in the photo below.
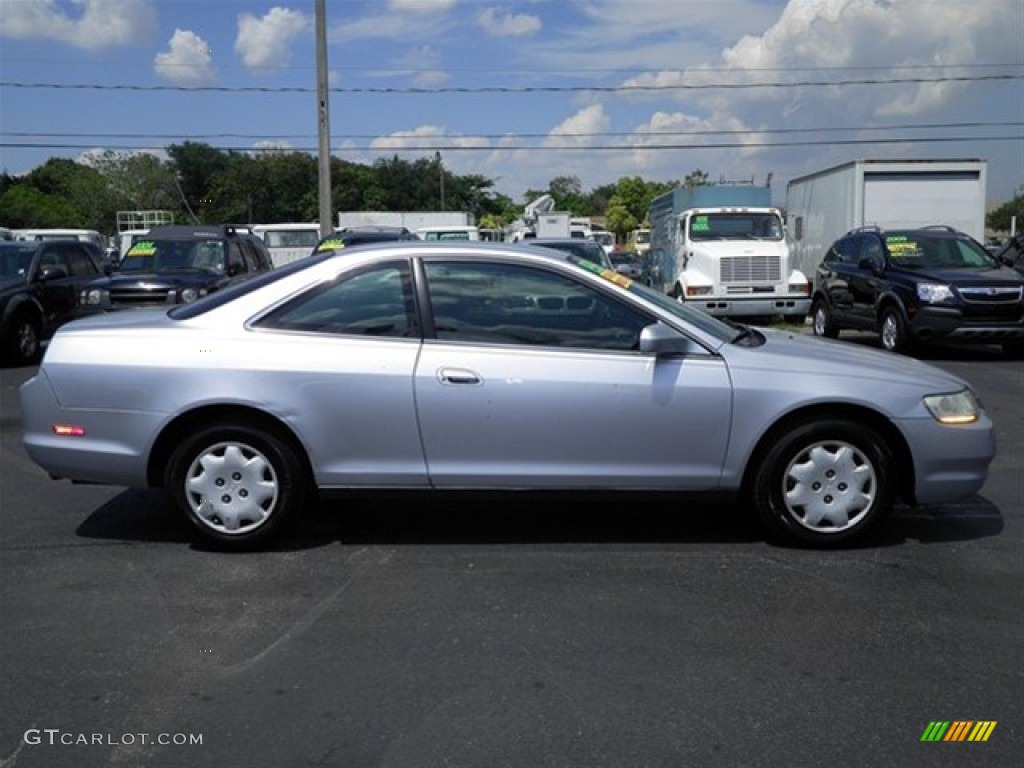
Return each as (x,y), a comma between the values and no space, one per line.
(440,173)
(323,122)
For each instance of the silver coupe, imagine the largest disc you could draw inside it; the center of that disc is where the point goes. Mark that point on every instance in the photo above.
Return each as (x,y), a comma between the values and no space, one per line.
(482,366)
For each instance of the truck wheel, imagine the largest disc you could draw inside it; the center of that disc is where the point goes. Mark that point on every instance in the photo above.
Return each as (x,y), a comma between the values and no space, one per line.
(822,322)
(893,331)
(236,485)
(825,483)
(23,345)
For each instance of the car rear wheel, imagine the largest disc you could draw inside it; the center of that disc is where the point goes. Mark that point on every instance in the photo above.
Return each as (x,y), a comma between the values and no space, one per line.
(821,320)
(23,344)
(236,485)
(823,484)
(893,331)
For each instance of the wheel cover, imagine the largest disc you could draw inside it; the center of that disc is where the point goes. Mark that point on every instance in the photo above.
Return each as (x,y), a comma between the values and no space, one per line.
(26,339)
(820,321)
(829,487)
(890,331)
(232,488)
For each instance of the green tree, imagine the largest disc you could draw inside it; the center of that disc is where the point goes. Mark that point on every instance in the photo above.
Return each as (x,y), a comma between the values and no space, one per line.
(23,206)
(196,165)
(138,181)
(999,219)
(83,189)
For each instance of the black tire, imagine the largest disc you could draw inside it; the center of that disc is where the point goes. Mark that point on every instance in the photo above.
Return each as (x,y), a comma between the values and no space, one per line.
(822,322)
(23,345)
(892,331)
(824,484)
(238,486)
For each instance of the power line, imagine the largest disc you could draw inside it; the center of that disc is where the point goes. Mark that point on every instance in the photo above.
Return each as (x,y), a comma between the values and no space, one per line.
(505,136)
(450,148)
(512,89)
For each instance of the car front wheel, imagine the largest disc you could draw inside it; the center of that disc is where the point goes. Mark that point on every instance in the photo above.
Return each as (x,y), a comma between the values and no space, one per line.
(893,331)
(821,320)
(823,484)
(23,344)
(236,485)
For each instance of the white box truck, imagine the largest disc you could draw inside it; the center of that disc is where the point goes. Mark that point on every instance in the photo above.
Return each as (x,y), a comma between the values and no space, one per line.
(823,206)
(411,220)
(723,249)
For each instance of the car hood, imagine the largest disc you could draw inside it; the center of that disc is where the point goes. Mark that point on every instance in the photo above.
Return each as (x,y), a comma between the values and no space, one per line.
(802,355)
(155,281)
(11,285)
(996,276)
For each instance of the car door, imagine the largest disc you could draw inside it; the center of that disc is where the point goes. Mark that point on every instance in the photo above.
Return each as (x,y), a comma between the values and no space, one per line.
(58,293)
(867,280)
(533,380)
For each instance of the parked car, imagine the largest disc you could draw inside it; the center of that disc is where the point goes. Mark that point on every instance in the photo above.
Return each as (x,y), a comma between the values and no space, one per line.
(39,285)
(177,264)
(584,248)
(627,263)
(485,366)
(918,286)
(350,236)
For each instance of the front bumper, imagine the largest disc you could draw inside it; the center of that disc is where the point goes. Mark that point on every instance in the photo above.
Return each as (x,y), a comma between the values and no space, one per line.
(946,323)
(797,305)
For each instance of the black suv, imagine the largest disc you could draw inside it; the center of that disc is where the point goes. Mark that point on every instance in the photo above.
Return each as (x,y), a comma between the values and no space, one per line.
(177,264)
(918,286)
(39,286)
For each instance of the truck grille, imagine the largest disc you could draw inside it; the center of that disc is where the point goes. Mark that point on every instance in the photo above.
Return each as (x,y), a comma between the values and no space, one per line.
(750,269)
(991,295)
(137,298)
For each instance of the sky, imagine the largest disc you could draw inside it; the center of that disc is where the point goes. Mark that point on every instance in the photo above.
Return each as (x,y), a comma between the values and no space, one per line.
(523,91)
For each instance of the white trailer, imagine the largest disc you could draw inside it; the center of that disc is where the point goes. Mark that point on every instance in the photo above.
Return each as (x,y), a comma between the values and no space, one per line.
(411,220)
(823,206)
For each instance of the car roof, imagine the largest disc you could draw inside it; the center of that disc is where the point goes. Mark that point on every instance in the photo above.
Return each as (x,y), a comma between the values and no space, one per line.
(192,231)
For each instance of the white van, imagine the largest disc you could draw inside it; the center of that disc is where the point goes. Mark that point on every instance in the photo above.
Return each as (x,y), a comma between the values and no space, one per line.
(288,242)
(85,235)
(448,233)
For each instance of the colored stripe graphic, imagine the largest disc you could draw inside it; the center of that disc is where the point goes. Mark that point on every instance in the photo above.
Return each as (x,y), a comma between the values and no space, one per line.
(958,730)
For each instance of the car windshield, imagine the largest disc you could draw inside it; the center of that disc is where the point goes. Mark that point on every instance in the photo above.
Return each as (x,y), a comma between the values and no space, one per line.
(735,226)
(15,260)
(688,314)
(175,256)
(924,250)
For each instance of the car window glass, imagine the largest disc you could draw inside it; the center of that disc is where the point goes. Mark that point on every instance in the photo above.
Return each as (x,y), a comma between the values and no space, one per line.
(377,302)
(871,250)
(848,250)
(513,304)
(51,257)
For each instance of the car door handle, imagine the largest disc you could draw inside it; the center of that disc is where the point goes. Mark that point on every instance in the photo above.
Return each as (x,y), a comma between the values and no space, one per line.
(458,376)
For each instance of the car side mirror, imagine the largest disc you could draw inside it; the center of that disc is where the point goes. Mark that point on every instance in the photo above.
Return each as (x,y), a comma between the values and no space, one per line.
(661,341)
(52,272)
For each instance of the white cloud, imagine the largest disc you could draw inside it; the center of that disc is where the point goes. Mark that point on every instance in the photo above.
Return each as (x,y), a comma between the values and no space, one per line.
(187,61)
(507,24)
(265,43)
(432,135)
(101,24)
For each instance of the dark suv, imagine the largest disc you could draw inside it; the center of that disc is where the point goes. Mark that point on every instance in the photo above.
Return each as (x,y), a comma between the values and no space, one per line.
(39,286)
(918,286)
(351,236)
(177,264)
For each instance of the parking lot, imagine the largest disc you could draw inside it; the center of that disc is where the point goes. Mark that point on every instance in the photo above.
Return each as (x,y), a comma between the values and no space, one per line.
(505,630)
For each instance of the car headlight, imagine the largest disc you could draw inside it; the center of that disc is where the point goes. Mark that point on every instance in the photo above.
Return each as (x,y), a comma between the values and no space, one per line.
(956,408)
(91,297)
(933,293)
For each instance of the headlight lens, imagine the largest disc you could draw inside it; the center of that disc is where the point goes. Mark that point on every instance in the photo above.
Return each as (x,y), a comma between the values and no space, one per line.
(92,297)
(188,295)
(933,293)
(956,408)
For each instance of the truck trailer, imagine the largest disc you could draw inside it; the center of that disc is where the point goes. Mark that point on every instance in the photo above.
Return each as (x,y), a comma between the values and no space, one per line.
(889,194)
(723,249)
(411,220)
